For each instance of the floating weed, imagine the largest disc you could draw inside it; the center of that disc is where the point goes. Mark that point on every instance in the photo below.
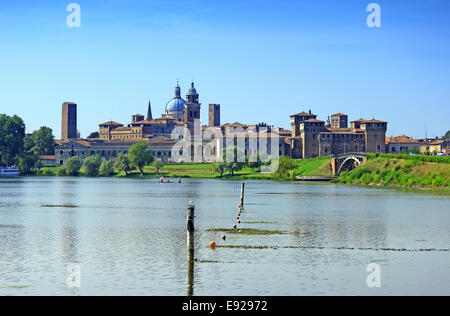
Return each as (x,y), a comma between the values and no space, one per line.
(205,261)
(60,205)
(332,248)
(18,286)
(247,247)
(247,231)
(262,222)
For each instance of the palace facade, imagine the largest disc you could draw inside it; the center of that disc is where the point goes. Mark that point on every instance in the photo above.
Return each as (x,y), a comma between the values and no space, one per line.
(314,138)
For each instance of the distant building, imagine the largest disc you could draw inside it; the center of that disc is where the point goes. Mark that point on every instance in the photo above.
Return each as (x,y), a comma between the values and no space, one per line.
(109,150)
(47,160)
(434,146)
(178,114)
(69,121)
(397,144)
(214,115)
(312,138)
(252,139)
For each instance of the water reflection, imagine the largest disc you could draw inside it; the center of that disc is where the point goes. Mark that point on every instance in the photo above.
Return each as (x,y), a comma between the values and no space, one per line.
(129,236)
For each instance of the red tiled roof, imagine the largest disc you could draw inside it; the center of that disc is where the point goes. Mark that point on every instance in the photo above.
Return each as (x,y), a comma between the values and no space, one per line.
(401,139)
(303,114)
(111,123)
(312,121)
(339,114)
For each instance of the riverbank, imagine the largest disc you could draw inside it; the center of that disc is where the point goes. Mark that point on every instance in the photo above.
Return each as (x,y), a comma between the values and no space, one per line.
(289,170)
(406,172)
(194,171)
(400,172)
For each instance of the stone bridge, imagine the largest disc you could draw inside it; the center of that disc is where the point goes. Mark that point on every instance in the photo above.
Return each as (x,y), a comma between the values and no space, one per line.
(347,162)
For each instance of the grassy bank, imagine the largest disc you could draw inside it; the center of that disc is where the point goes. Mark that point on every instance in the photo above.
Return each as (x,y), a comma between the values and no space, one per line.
(315,167)
(401,171)
(195,171)
(307,167)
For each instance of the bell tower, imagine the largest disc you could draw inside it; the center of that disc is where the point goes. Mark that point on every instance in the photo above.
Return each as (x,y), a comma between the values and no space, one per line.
(192,106)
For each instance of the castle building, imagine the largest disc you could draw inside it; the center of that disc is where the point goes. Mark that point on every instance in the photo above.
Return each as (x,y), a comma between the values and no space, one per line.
(313,138)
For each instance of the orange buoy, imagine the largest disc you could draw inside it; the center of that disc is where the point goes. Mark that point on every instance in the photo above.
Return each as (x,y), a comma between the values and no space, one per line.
(212,244)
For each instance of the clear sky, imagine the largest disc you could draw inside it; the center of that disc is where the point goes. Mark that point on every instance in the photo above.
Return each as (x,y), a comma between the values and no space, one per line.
(261,60)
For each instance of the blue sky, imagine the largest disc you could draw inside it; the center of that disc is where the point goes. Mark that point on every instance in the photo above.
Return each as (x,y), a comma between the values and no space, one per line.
(261,60)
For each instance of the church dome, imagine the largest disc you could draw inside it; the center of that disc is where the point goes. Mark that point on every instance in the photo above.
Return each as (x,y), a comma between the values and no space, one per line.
(176,104)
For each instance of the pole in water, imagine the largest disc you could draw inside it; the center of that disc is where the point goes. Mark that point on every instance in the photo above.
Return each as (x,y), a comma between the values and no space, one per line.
(190,231)
(179,179)
(190,248)
(242,194)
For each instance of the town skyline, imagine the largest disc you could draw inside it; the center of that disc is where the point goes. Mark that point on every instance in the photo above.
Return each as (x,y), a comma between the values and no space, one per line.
(260,61)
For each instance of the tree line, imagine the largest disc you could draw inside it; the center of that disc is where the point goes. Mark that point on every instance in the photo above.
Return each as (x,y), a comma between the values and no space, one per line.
(138,157)
(21,149)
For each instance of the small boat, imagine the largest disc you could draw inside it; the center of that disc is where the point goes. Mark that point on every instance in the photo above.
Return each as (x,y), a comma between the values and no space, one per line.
(161,180)
(9,172)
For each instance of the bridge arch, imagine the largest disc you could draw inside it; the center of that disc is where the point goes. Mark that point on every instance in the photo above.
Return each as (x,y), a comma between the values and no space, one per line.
(347,162)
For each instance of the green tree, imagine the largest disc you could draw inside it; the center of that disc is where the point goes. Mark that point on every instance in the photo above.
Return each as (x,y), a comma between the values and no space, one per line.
(219,167)
(94,135)
(73,166)
(28,143)
(139,155)
(106,168)
(158,165)
(447,135)
(92,165)
(43,141)
(12,134)
(286,166)
(255,161)
(27,163)
(122,163)
(61,171)
(231,157)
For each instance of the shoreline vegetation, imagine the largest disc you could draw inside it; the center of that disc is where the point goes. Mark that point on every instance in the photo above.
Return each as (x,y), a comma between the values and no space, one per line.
(411,172)
(401,171)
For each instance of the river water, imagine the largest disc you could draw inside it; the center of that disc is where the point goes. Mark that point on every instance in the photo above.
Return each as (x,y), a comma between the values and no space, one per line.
(128,237)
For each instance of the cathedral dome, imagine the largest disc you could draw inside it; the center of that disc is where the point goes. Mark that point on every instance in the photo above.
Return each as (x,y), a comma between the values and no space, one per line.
(176,104)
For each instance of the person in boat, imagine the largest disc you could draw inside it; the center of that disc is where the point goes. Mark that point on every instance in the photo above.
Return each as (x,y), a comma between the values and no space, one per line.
(161,180)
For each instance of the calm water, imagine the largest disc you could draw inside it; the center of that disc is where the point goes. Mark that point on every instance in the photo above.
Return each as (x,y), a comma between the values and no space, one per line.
(128,236)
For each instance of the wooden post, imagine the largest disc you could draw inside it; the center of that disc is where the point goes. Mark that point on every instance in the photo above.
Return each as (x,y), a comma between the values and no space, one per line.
(190,231)
(242,194)
(179,179)
(190,249)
